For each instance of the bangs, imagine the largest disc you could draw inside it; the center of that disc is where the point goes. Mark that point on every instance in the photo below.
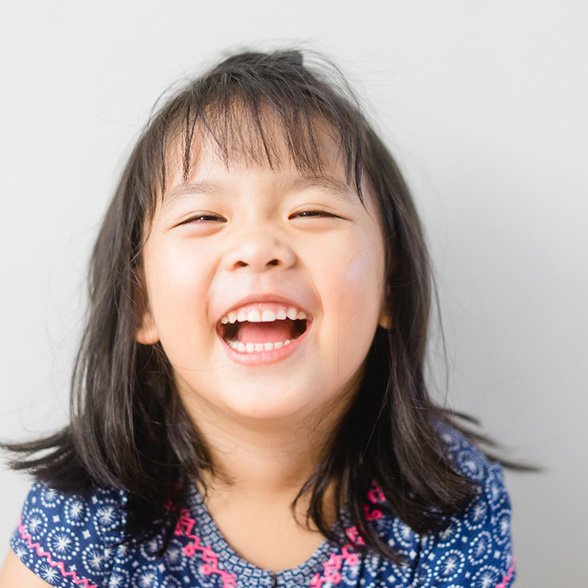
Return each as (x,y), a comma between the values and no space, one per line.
(261,114)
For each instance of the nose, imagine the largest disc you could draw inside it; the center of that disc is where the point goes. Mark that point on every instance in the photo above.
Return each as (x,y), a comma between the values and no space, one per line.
(260,249)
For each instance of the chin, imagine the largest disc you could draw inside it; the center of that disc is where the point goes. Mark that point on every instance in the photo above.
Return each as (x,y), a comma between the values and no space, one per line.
(270,403)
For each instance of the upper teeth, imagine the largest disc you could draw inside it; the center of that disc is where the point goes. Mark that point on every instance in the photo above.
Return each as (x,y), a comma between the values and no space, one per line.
(265,315)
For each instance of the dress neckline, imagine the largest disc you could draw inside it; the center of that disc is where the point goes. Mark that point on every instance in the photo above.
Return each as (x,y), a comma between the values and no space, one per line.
(212,536)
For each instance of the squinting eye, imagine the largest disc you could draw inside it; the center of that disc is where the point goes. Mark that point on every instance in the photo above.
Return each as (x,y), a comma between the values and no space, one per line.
(204,218)
(313,213)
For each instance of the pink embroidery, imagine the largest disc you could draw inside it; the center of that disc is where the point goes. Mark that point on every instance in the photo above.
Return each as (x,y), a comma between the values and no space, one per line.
(53,563)
(372,515)
(185,527)
(354,536)
(506,578)
(332,568)
(375,495)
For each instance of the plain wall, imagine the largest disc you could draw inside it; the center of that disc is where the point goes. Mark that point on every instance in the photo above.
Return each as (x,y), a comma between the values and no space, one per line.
(483,103)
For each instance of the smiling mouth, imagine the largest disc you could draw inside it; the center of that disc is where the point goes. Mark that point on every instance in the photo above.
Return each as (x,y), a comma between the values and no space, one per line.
(258,327)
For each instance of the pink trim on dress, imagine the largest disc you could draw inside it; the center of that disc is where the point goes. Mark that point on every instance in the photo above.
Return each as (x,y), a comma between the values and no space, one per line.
(506,578)
(349,556)
(376,495)
(184,528)
(53,563)
(332,567)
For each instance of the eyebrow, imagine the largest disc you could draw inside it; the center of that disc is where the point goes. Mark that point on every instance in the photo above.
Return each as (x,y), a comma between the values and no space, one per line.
(181,191)
(339,190)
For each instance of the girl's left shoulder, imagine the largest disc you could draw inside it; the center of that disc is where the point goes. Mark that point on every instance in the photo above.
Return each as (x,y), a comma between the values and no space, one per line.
(474,547)
(466,457)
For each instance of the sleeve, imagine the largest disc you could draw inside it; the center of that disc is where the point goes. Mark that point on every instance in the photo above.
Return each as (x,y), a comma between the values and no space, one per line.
(475,549)
(66,539)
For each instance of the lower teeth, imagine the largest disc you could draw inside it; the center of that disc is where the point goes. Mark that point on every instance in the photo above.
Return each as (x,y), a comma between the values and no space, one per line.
(257,347)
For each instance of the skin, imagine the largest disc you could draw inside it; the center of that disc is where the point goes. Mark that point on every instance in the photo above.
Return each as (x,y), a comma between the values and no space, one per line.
(229,233)
(15,573)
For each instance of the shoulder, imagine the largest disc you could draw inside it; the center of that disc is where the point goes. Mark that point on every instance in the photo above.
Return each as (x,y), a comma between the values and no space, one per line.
(466,457)
(67,537)
(474,548)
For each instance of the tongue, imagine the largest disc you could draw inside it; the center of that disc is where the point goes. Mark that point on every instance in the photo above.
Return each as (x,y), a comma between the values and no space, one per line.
(265,332)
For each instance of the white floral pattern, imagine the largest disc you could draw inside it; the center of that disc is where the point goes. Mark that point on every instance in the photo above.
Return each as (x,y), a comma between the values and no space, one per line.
(68,540)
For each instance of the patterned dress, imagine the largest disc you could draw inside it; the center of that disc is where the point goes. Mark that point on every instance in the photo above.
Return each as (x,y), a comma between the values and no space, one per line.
(70,541)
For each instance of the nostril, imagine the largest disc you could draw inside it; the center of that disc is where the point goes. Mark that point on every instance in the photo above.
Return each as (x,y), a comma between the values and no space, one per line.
(271,263)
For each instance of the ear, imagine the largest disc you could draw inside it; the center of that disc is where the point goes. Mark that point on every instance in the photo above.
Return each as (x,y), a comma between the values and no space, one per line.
(147,332)
(385,320)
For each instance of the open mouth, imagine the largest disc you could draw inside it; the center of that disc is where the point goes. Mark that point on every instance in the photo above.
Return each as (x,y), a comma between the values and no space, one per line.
(262,327)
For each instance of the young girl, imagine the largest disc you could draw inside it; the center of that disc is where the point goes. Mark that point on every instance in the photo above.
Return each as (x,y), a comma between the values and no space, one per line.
(249,405)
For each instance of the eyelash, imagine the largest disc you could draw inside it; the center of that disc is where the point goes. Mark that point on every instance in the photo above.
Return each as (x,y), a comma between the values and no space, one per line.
(313,213)
(201,218)
(204,218)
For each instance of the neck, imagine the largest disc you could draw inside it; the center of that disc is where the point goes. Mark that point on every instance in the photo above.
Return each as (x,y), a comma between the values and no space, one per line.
(261,457)
(264,471)
(262,460)
(261,465)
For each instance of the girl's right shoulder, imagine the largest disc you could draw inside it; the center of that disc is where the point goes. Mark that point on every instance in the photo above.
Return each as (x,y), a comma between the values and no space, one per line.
(68,538)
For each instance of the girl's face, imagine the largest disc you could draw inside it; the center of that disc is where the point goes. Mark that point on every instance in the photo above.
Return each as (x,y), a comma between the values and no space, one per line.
(264,287)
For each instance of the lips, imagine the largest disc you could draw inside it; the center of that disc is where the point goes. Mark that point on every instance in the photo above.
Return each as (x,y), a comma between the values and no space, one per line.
(262,326)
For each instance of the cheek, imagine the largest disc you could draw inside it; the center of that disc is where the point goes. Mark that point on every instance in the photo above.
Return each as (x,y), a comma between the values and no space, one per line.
(354,289)
(177,286)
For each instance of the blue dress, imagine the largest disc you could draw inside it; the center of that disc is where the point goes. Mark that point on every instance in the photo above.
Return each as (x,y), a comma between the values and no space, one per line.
(70,541)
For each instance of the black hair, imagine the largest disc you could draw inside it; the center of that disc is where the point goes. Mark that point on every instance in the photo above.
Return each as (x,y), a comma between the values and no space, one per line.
(128,428)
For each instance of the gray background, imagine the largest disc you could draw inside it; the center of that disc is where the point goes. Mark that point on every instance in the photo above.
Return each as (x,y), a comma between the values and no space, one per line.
(484,103)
